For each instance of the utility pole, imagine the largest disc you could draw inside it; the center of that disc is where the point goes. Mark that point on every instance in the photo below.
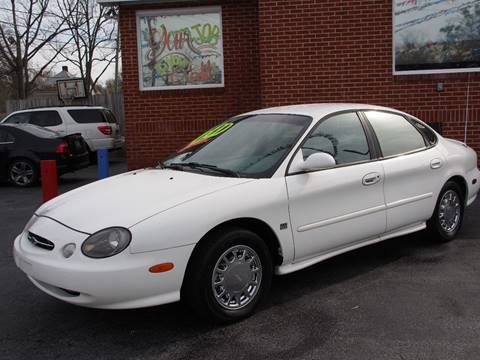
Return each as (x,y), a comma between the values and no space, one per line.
(117,50)
(113,14)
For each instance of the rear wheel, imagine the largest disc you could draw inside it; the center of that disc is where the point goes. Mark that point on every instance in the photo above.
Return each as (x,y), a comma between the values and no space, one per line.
(22,172)
(448,216)
(228,276)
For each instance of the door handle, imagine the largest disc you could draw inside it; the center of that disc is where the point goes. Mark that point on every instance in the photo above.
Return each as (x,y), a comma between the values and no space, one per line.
(436,163)
(371,179)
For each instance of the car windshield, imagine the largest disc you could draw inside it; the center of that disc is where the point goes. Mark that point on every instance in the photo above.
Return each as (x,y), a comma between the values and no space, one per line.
(251,146)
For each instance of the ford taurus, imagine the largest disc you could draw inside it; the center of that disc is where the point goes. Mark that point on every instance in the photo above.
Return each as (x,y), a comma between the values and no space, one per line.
(267,192)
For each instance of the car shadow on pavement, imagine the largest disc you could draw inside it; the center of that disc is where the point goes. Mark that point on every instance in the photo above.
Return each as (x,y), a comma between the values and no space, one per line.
(175,319)
(296,303)
(417,247)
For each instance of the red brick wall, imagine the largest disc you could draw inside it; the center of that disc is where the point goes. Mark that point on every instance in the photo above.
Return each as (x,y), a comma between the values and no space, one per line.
(341,51)
(287,52)
(159,122)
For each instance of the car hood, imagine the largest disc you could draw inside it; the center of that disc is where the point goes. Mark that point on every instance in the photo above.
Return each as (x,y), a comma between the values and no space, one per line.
(126,199)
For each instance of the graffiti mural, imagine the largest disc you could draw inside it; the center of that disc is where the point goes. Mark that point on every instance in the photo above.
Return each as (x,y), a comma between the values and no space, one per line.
(179,50)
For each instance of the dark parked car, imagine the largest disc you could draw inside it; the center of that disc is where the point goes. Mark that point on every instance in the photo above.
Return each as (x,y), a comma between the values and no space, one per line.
(23,146)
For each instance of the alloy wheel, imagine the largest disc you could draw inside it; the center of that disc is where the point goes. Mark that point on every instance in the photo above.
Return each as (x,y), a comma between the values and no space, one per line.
(22,173)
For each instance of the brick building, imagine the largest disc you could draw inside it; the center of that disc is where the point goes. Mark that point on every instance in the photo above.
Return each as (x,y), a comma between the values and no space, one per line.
(278,52)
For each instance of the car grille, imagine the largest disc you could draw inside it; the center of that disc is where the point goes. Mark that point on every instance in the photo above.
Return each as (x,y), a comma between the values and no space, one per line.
(40,241)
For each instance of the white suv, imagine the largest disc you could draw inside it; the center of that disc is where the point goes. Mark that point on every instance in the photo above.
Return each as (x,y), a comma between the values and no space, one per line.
(98,125)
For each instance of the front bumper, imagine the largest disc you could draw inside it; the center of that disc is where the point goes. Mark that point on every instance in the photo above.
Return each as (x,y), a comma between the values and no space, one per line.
(119,282)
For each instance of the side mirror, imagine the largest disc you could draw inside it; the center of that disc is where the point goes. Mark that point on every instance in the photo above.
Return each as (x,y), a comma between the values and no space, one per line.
(318,161)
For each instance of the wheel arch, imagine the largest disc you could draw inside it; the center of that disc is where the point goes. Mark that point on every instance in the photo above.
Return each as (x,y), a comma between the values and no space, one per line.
(19,156)
(462,183)
(259,227)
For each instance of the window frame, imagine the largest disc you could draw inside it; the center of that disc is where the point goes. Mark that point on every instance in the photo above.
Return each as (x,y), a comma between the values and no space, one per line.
(374,155)
(427,144)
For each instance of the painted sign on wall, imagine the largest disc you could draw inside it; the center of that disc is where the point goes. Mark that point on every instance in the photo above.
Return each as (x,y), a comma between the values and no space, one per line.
(180,48)
(432,36)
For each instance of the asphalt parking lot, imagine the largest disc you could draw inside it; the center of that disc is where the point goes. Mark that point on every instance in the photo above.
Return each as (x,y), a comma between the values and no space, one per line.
(405,298)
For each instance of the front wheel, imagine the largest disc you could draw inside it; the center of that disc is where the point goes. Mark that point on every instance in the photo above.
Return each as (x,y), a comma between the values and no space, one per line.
(228,276)
(448,216)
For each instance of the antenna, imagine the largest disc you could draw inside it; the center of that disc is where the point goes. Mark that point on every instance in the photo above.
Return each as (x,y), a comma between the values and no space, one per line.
(466,110)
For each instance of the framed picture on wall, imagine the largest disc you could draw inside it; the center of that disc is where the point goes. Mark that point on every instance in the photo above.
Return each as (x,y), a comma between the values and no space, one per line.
(436,36)
(180,48)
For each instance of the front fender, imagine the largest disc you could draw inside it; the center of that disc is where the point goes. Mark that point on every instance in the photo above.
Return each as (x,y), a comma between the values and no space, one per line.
(186,224)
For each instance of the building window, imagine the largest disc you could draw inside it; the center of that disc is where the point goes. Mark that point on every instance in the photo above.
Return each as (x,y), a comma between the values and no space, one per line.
(180,48)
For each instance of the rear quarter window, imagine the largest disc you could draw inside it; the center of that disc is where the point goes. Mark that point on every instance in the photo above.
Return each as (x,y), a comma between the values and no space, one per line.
(88,116)
(428,133)
(110,117)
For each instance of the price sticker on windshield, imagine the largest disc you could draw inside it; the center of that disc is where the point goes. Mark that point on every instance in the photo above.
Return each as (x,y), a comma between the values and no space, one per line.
(210,134)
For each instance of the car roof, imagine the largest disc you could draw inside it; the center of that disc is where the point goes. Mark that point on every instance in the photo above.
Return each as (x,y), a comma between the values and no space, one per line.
(47,108)
(317,111)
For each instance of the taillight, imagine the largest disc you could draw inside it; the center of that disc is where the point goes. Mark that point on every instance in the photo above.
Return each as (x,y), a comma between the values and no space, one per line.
(62,148)
(105,129)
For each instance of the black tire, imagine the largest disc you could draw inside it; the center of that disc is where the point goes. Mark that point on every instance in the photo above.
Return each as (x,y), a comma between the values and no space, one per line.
(438,229)
(198,290)
(23,172)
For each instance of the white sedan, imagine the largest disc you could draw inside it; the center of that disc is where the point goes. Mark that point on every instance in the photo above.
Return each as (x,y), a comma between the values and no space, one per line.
(271,191)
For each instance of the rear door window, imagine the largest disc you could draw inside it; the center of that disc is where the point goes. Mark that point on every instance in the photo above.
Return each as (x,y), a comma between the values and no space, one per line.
(45,118)
(394,133)
(88,116)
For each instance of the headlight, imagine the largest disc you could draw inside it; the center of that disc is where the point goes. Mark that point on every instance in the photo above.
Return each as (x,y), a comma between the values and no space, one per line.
(106,242)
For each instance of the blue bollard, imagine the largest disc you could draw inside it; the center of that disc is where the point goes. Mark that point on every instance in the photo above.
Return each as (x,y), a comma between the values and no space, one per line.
(102,156)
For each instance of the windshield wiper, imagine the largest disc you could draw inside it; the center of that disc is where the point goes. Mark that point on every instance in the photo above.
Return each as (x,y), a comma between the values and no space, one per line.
(196,165)
(175,166)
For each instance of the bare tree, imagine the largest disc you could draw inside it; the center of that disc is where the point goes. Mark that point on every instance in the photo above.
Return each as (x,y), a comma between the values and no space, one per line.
(26,28)
(93,36)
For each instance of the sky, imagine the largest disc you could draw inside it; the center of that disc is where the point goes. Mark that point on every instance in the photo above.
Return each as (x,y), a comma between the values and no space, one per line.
(46,53)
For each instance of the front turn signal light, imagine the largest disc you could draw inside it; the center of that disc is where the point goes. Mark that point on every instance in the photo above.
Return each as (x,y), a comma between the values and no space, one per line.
(159,268)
